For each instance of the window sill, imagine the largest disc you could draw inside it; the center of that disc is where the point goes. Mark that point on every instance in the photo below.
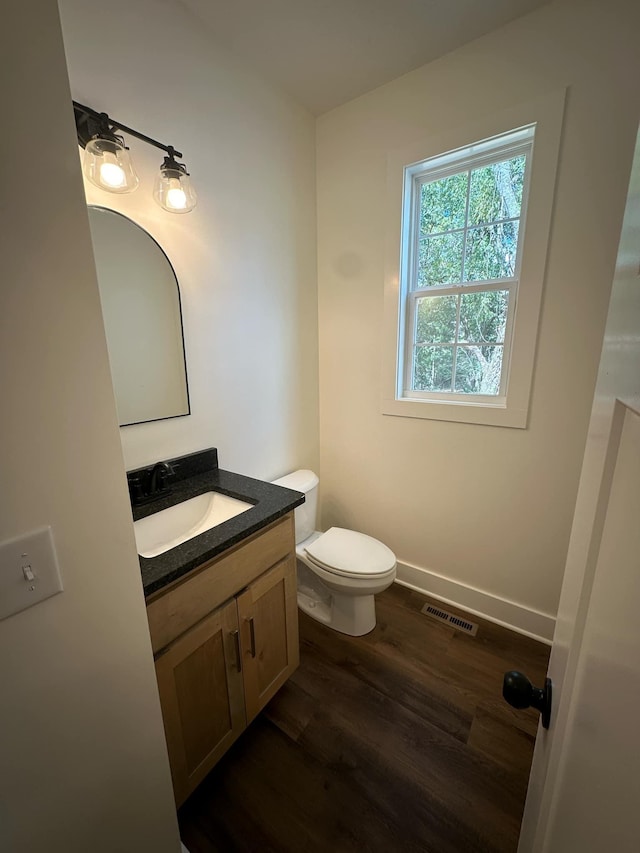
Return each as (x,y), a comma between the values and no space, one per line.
(498,414)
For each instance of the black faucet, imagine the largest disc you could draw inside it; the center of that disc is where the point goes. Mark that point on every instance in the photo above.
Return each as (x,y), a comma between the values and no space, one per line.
(149,484)
(160,472)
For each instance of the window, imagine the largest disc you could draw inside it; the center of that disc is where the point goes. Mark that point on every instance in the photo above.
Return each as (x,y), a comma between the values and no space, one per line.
(460,270)
(464,272)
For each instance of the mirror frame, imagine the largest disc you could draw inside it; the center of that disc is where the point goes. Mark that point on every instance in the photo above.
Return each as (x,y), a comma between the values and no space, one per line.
(180,315)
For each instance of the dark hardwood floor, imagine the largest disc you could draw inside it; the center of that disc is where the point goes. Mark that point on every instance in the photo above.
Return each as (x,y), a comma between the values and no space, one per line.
(397,741)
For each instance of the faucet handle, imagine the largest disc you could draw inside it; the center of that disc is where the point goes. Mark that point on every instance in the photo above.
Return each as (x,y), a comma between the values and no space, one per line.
(136,491)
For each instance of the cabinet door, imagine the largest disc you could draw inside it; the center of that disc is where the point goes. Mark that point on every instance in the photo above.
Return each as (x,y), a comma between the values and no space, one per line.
(201,693)
(268,615)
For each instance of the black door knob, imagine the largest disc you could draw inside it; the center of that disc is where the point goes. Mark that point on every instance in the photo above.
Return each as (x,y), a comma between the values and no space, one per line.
(520,693)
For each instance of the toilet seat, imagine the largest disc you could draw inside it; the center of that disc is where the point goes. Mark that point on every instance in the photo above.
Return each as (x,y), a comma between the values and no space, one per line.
(351,554)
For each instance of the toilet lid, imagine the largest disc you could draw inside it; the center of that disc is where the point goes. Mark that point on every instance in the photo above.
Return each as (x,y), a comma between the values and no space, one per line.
(349,553)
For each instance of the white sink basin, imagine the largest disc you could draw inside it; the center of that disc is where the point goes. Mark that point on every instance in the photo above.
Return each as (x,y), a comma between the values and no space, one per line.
(163,530)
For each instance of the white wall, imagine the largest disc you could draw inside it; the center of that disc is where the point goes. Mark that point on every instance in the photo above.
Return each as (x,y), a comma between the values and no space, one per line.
(245,257)
(486,508)
(84,765)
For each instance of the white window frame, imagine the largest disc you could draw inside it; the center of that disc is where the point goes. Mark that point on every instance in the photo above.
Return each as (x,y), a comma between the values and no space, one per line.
(510,406)
(515,144)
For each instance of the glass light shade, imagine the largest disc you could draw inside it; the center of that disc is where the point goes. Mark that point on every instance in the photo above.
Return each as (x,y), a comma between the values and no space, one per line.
(107,164)
(173,190)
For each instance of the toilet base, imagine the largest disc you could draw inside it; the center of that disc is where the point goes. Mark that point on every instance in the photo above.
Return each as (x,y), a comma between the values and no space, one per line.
(354,615)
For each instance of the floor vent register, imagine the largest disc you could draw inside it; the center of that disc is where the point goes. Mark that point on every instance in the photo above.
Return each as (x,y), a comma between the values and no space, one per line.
(448,618)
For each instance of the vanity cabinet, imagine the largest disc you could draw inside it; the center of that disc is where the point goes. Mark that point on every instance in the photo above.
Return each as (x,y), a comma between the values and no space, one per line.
(201,695)
(225,639)
(267,613)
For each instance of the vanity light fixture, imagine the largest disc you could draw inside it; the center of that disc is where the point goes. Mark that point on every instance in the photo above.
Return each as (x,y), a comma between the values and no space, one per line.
(173,189)
(107,163)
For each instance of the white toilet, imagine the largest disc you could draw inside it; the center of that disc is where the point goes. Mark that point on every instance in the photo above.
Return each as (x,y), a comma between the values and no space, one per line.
(340,571)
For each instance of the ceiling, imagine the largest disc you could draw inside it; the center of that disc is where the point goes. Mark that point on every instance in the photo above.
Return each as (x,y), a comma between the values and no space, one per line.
(326,52)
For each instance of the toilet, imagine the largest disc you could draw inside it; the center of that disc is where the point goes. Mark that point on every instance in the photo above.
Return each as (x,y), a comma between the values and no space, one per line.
(340,571)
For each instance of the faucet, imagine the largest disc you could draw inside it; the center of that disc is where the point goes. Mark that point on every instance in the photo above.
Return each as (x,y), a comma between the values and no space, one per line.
(149,484)
(158,479)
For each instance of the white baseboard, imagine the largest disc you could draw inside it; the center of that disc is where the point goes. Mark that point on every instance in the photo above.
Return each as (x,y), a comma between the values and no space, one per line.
(518,618)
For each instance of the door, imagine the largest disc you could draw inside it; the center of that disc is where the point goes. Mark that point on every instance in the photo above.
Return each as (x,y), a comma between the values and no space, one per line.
(200,684)
(268,616)
(585,767)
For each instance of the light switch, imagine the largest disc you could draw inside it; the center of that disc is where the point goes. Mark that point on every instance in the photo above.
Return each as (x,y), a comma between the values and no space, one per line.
(29,571)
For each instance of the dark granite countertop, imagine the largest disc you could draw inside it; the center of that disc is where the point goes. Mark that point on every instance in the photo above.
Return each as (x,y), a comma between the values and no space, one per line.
(270,503)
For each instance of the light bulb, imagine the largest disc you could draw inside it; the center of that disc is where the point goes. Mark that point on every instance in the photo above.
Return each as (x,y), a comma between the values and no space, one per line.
(111,174)
(176,196)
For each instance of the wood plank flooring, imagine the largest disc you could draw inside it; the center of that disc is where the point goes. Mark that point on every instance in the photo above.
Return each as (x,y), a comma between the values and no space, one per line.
(396,741)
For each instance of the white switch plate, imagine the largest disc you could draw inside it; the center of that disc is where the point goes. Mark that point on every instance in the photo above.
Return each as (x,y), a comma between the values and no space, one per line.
(31,555)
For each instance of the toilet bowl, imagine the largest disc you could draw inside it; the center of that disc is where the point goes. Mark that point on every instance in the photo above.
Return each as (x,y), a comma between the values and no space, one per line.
(340,571)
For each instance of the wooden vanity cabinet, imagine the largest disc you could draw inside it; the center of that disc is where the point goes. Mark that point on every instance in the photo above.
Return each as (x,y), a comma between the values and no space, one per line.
(268,614)
(201,695)
(217,671)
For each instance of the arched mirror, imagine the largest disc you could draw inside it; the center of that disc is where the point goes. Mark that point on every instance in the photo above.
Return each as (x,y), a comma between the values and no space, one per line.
(143,320)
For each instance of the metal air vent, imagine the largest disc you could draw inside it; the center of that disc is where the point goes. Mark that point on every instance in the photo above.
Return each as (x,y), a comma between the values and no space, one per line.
(449,619)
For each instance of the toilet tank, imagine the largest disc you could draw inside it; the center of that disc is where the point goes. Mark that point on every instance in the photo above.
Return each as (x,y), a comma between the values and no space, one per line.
(305,515)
